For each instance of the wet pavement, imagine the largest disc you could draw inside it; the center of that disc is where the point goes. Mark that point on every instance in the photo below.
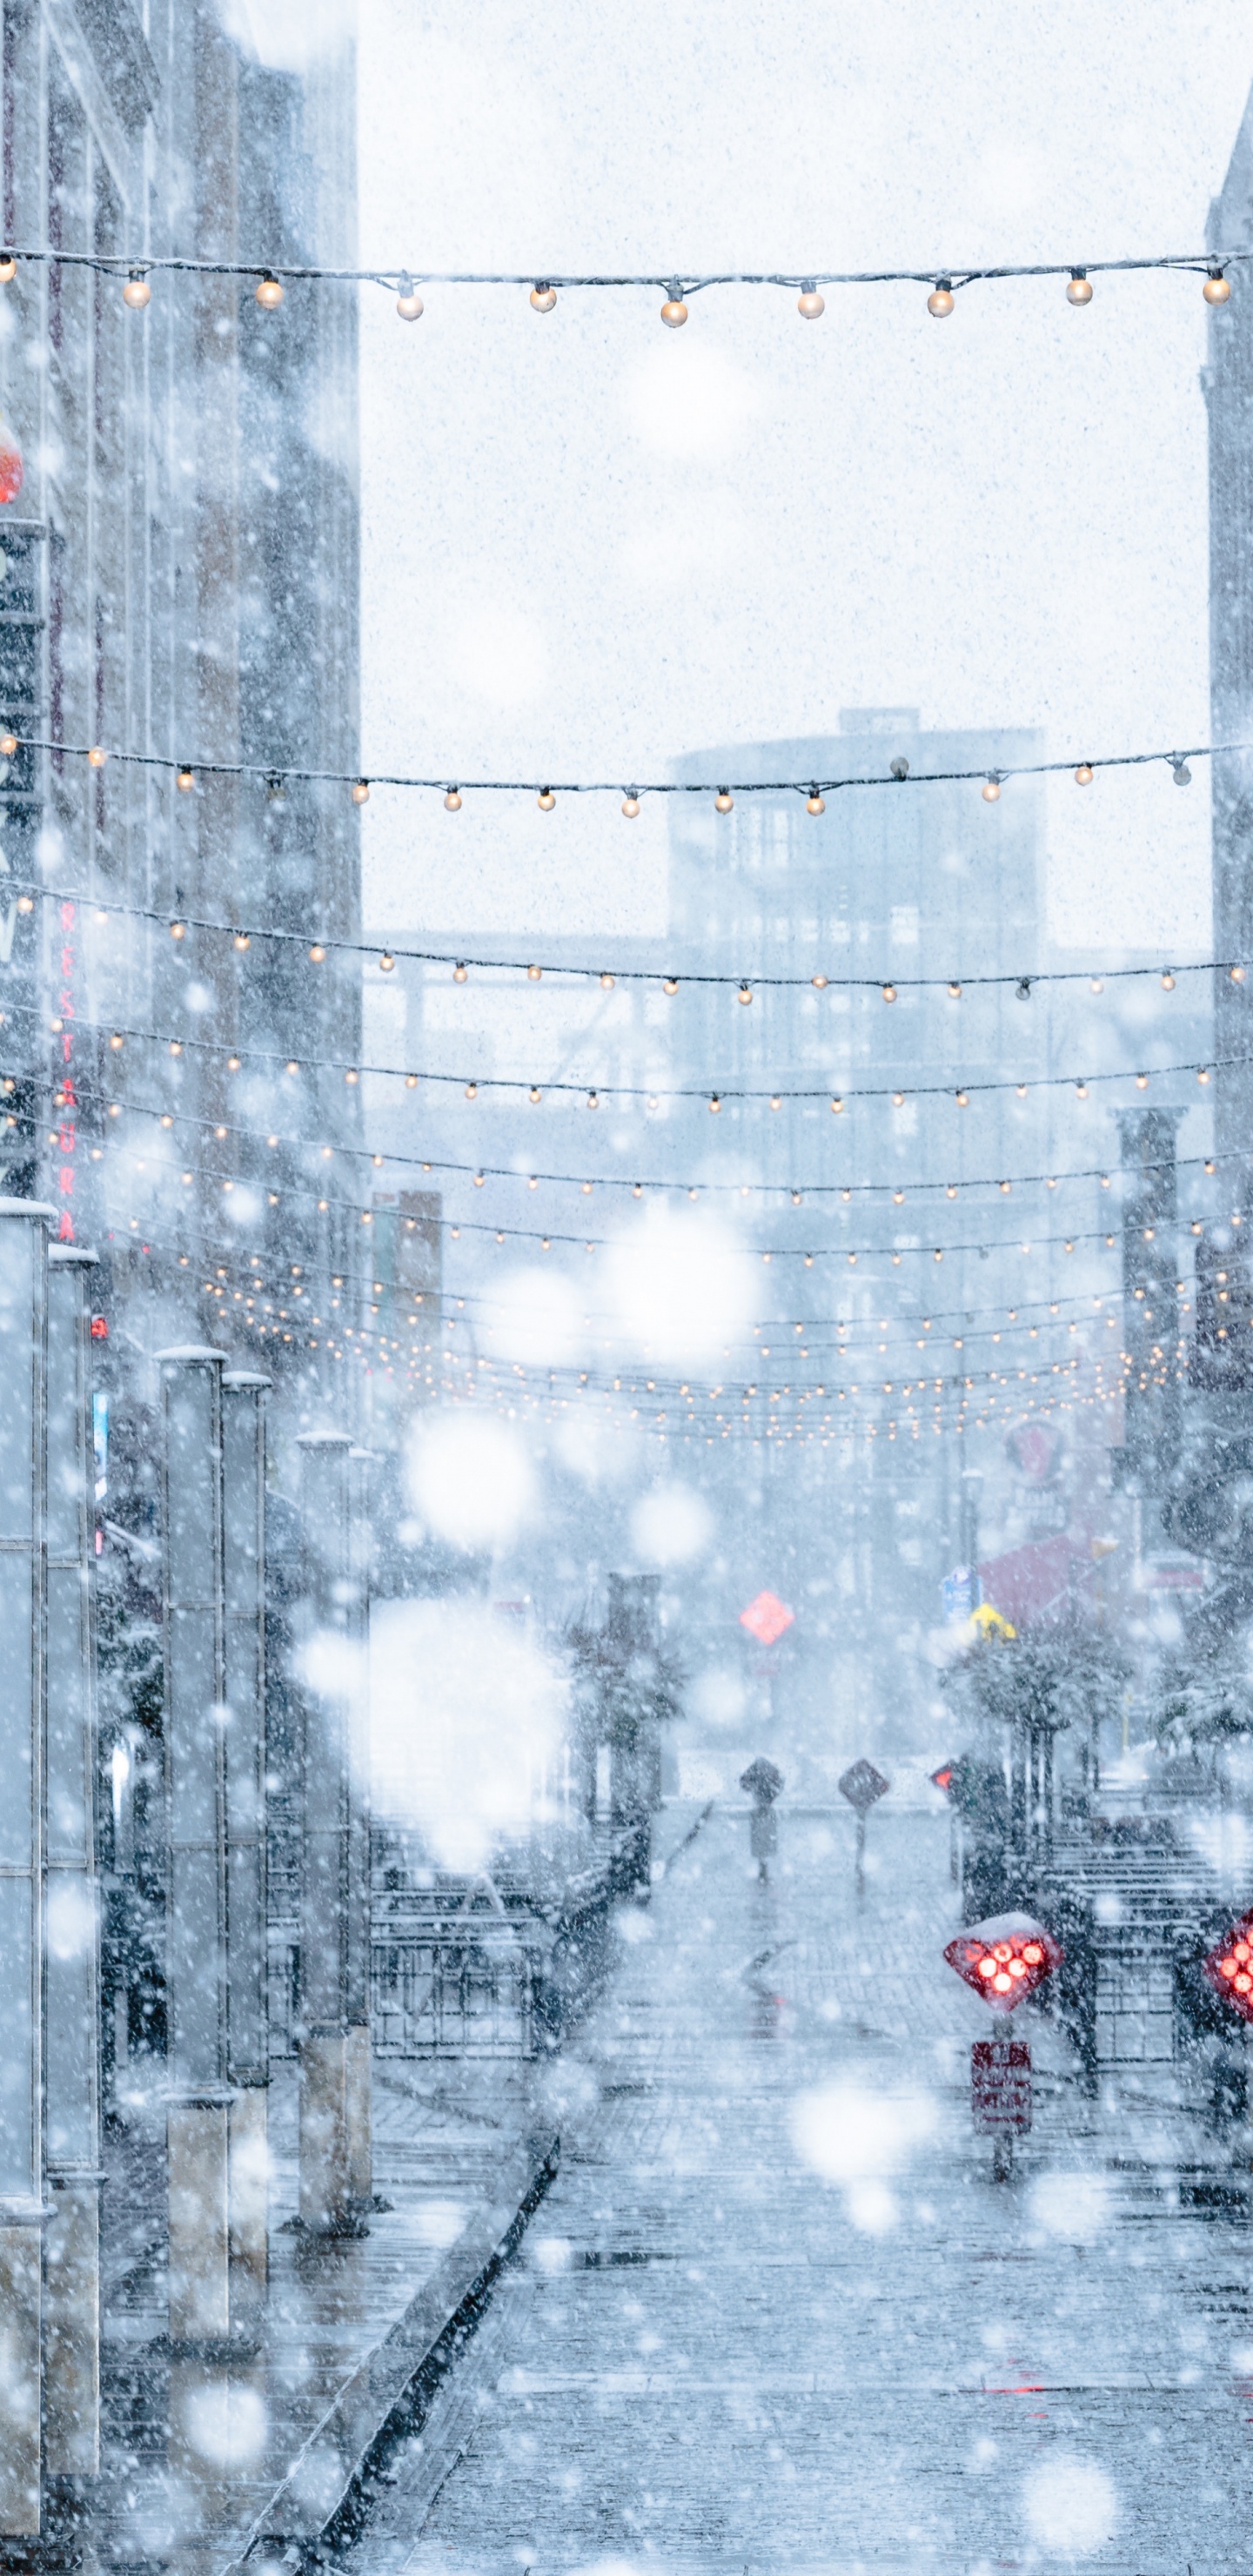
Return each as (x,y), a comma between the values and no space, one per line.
(205,2452)
(775,2312)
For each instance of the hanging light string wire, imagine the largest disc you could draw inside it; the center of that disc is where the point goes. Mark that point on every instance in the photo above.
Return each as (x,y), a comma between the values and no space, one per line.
(595,1093)
(275,775)
(677,283)
(1014,1330)
(229,1182)
(587,1183)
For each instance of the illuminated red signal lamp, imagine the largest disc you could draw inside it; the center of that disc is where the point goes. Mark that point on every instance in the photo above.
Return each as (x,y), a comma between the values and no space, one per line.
(1005,1959)
(943,1778)
(1229,1968)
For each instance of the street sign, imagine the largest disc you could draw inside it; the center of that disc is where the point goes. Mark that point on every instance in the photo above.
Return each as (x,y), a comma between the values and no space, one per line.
(1229,1968)
(957,1592)
(1000,2087)
(862,1785)
(766,1618)
(1005,1958)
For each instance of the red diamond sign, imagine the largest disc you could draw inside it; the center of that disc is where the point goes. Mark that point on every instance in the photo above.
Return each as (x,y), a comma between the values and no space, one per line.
(766,1618)
(1229,1968)
(1005,1958)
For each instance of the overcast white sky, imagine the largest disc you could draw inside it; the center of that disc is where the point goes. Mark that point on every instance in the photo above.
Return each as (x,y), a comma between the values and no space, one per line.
(591,544)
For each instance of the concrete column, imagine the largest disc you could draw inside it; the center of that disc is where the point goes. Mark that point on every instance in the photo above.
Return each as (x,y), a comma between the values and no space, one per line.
(330,2079)
(23,1342)
(71,1915)
(248,2038)
(360,2090)
(196,1724)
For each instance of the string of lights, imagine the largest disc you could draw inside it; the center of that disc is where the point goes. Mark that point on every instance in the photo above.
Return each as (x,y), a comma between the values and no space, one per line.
(472,1086)
(548,1237)
(276,777)
(994,1323)
(269,280)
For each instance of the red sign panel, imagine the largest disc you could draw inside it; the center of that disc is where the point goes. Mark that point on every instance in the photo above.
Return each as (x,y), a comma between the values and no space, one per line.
(1005,1958)
(766,1618)
(1000,2087)
(1229,1968)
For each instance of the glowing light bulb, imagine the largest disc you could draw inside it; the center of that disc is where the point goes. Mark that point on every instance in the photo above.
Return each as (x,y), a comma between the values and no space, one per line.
(386,962)
(543,298)
(459,973)
(1083,774)
(26,903)
(452,801)
(533,974)
(97,756)
(535,1094)
(1168,981)
(242,940)
(745,993)
(674,310)
(137,292)
(889,992)
(1217,288)
(1079,290)
(837,1107)
(546,800)
(269,293)
(724,800)
(819,983)
(715,1105)
(1237,974)
(185,780)
(815,804)
(8,745)
(408,303)
(810,304)
(940,300)
(670,985)
(991,788)
(8,269)
(963,1099)
(178,930)
(472,1091)
(1142,1082)
(630,807)
(317,954)
(361,791)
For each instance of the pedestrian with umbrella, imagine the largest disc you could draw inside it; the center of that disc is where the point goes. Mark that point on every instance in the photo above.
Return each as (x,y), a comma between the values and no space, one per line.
(762,1783)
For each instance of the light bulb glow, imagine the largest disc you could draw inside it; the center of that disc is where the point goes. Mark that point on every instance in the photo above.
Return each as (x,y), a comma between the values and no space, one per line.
(940,300)
(543,298)
(361,791)
(810,304)
(137,293)
(269,293)
(1217,288)
(1079,290)
(1083,774)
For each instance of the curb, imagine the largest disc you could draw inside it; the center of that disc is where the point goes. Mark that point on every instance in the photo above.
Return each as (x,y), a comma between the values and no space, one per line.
(323,2500)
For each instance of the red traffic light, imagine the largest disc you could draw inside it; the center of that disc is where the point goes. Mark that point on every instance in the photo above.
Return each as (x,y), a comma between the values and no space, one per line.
(1229,1968)
(944,1777)
(1005,1958)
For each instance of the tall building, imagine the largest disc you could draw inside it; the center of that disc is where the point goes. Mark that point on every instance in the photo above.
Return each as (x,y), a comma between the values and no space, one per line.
(1228,383)
(180,585)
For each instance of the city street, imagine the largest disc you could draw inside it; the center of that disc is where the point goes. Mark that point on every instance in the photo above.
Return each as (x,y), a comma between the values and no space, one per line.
(711,2354)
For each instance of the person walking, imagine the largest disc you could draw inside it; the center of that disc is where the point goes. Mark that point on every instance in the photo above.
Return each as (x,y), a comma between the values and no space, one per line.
(762,1783)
